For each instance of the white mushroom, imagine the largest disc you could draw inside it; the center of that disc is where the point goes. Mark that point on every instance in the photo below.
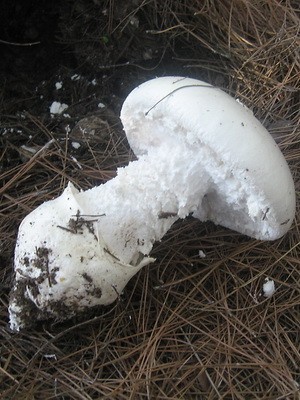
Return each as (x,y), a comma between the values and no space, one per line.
(199,152)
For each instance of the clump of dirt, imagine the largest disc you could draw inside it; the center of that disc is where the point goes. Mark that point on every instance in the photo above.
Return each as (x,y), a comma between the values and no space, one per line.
(196,323)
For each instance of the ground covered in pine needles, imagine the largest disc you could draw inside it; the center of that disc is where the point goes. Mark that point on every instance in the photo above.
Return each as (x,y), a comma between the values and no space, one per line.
(188,326)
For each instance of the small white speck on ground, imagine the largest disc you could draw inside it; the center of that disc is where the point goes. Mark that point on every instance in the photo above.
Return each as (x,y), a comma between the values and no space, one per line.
(201,254)
(268,288)
(58,85)
(76,145)
(57,107)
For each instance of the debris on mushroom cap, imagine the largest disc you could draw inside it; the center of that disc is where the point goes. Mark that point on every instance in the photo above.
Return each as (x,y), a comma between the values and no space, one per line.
(199,151)
(252,190)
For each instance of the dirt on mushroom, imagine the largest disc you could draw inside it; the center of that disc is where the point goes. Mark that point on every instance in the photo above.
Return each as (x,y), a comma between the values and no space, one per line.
(188,326)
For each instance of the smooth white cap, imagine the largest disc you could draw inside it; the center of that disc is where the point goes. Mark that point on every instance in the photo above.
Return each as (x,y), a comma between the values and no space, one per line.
(252,190)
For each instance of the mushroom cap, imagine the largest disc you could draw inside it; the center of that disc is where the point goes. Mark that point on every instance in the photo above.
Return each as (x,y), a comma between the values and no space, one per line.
(251,189)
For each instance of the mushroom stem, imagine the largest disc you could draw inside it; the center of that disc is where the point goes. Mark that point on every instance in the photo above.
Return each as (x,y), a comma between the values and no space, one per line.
(145,199)
(81,249)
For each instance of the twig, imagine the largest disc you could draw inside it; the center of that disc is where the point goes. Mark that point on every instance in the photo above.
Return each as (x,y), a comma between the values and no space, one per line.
(19,44)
